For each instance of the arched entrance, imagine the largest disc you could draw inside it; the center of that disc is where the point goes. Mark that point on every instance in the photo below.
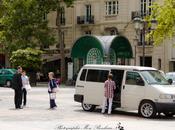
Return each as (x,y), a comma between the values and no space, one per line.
(123,50)
(94,56)
(87,50)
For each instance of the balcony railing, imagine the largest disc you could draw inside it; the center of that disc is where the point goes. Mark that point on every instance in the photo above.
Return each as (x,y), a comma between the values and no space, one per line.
(85,19)
(141,14)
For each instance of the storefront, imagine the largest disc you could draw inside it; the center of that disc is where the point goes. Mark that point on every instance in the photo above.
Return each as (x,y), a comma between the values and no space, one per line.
(91,49)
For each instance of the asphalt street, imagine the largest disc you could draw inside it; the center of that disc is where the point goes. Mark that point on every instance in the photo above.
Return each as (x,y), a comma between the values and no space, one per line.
(69,114)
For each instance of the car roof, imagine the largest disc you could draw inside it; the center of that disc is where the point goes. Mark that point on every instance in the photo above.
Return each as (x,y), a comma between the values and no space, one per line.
(173,73)
(127,67)
(7,69)
(13,70)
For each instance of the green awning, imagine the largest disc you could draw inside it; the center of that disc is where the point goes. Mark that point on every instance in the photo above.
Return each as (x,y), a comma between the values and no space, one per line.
(119,44)
(83,45)
(122,47)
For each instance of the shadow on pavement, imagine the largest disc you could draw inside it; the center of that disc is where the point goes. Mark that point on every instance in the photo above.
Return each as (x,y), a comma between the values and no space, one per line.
(159,117)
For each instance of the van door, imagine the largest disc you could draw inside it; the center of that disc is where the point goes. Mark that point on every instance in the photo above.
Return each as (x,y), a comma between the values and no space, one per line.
(94,88)
(118,78)
(80,84)
(133,90)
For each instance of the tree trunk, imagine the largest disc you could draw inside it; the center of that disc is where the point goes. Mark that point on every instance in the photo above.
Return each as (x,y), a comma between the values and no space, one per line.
(61,45)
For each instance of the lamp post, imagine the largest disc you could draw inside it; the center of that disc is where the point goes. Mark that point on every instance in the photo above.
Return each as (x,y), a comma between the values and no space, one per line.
(141,26)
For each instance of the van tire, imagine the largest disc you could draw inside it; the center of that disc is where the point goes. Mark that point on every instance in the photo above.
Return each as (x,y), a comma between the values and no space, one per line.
(88,107)
(147,109)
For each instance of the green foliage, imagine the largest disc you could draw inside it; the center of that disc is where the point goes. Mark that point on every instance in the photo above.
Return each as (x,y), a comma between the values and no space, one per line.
(165,16)
(22,24)
(29,59)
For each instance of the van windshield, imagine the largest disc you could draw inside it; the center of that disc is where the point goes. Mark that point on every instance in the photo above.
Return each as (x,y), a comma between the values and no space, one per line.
(154,77)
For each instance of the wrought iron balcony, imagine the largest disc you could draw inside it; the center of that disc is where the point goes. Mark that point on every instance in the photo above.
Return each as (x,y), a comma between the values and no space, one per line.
(141,14)
(85,19)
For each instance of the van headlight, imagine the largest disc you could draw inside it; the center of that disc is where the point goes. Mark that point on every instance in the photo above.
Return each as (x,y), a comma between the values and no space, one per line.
(166,96)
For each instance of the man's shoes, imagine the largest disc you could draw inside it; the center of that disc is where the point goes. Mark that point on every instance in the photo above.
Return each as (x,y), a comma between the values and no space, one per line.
(53,108)
(19,107)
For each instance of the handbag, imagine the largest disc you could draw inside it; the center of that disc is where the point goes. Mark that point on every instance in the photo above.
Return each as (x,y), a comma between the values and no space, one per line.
(28,87)
(55,89)
(52,95)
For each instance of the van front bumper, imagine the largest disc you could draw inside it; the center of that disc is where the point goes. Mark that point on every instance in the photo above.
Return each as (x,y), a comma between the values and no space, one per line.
(165,107)
(78,98)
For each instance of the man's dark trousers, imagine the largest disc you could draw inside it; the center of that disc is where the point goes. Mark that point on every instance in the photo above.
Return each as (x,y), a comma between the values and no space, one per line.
(18,98)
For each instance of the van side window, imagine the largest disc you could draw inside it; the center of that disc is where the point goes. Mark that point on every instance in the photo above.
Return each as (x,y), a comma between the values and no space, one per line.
(132,77)
(97,75)
(103,75)
(83,75)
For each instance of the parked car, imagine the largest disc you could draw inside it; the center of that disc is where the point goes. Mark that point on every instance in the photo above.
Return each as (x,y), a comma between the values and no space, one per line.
(170,76)
(6,76)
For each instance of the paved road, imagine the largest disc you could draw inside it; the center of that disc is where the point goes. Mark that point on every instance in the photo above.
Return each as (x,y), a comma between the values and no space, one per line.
(69,114)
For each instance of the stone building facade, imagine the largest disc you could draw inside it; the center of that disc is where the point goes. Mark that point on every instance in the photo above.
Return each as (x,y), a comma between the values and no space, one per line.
(115,17)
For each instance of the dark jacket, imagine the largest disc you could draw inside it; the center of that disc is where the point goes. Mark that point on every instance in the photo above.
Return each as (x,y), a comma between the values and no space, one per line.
(17,82)
(52,85)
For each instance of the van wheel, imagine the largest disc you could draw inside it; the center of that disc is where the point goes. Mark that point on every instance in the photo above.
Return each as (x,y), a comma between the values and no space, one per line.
(169,114)
(88,107)
(8,83)
(147,109)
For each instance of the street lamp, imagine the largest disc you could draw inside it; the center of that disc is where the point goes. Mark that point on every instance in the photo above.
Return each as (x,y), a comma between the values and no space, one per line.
(141,26)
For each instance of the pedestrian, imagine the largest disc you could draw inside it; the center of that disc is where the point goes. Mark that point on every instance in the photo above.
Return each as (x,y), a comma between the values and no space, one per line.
(52,89)
(38,76)
(109,88)
(25,87)
(17,86)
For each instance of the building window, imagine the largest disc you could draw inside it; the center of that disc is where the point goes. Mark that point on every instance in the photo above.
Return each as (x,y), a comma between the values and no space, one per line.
(145,7)
(148,42)
(113,32)
(94,56)
(88,32)
(88,12)
(159,64)
(62,16)
(112,7)
(44,16)
(148,61)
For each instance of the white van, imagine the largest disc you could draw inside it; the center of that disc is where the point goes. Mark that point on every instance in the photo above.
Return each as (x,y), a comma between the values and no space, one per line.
(138,88)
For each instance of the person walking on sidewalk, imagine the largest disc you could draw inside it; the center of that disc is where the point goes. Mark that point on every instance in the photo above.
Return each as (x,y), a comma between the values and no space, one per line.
(52,89)
(17,86)
(25,87)
(109,88)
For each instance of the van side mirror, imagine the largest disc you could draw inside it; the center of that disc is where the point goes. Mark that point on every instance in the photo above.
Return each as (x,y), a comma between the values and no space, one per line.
(140,82)
(170,81)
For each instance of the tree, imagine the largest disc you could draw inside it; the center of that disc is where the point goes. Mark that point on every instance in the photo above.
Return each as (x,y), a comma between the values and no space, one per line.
(165,16)
(60,35)
(29,59)
(22,25)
